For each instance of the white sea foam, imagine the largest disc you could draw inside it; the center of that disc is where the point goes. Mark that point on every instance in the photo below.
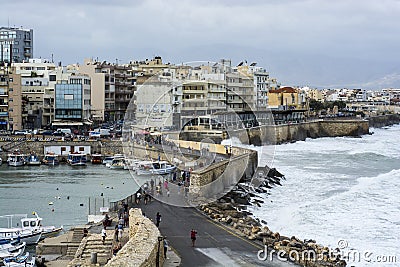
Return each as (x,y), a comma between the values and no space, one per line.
(339,188)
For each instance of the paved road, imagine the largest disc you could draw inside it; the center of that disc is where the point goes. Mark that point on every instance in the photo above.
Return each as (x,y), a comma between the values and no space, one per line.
(216,245)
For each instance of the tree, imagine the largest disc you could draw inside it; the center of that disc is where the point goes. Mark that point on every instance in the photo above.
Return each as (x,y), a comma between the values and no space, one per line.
(316,105)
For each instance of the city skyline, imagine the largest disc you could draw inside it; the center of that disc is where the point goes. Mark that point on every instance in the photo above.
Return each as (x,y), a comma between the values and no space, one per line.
(315,43)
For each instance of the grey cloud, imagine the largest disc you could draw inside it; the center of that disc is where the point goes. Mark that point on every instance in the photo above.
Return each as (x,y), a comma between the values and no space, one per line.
(303,41)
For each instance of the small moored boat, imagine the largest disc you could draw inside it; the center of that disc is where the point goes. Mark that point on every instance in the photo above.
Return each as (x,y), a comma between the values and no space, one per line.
(97,159)
(50,159)
(7,246)
(32,160)
(19,261)
(118,163)
(108,159)
(28,236)
(154,167)
(77,159)
(16,159)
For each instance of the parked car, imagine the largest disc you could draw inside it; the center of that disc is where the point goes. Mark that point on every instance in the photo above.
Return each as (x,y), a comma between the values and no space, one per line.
(21,132)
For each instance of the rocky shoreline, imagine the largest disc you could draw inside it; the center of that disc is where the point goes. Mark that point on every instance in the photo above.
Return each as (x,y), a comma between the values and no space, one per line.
(231,211)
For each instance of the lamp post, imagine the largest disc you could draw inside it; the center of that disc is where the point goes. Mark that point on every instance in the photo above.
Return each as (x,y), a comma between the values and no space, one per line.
(160,238)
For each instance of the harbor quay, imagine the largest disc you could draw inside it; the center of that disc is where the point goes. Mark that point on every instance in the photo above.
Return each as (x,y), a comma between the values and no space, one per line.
(222,223)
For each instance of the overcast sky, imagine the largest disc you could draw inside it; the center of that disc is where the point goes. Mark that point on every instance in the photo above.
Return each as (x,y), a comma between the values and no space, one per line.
(324,43)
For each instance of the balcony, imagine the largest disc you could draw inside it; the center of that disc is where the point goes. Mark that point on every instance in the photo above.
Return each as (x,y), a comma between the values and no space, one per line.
(3,104)
(3,114)
(235,101)
(190,91)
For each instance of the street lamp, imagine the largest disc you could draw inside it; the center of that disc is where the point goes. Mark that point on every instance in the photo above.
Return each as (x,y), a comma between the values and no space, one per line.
(160,238)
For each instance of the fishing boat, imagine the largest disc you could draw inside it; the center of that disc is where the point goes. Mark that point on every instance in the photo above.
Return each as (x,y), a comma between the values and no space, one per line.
(77,159)
(50,159)
(108,159)
(154,167)
(19,261)
(28,225)
(118,163)
(32,160)
(97,159)
(16,159)
(35,224)
(27,236)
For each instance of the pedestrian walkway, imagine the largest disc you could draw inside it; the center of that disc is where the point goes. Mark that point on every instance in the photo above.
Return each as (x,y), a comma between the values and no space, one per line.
(173,259)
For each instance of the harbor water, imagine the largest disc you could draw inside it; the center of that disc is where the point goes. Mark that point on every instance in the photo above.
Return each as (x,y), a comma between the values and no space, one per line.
(60,194)
(342,192)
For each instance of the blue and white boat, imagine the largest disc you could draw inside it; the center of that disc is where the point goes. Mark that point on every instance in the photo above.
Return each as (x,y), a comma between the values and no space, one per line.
(50,159)
(77,159)
(19,261)
(13,248)
(16,233)
(32,160)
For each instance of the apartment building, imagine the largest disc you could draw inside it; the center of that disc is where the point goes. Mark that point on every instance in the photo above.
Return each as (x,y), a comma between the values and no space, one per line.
(4,97)
(16,44)
(35,82)
(112,89)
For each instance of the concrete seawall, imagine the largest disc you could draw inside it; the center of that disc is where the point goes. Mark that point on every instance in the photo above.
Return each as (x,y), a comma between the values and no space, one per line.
(384,120)
(284,133)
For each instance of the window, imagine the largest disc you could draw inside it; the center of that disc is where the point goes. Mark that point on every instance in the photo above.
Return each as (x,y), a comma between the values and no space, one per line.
(68,97)
(26,224)
(11,79)
(52,78)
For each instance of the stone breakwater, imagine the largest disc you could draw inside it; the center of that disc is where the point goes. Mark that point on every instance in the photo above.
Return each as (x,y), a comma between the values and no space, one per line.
(230,211)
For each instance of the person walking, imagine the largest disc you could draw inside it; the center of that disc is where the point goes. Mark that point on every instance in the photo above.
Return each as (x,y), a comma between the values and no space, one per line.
(193,234)
(120,230)
(158,219)
(103,234)
(165,243)
(126,219)
(116,233)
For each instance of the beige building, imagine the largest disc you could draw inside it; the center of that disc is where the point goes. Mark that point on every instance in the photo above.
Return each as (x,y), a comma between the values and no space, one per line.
(241,95)
(35,81)
(15,102)
(4,97)
(112,89)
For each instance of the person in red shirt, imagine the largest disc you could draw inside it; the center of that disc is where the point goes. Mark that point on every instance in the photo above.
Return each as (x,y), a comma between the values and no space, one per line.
(193,234)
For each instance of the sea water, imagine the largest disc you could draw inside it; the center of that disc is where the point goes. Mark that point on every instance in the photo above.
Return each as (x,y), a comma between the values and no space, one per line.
(60,194)
(343,192)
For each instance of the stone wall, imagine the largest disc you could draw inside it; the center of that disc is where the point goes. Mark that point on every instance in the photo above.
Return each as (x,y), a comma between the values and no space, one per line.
(384,120)
(142,247)
(217,179)
(278,134)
